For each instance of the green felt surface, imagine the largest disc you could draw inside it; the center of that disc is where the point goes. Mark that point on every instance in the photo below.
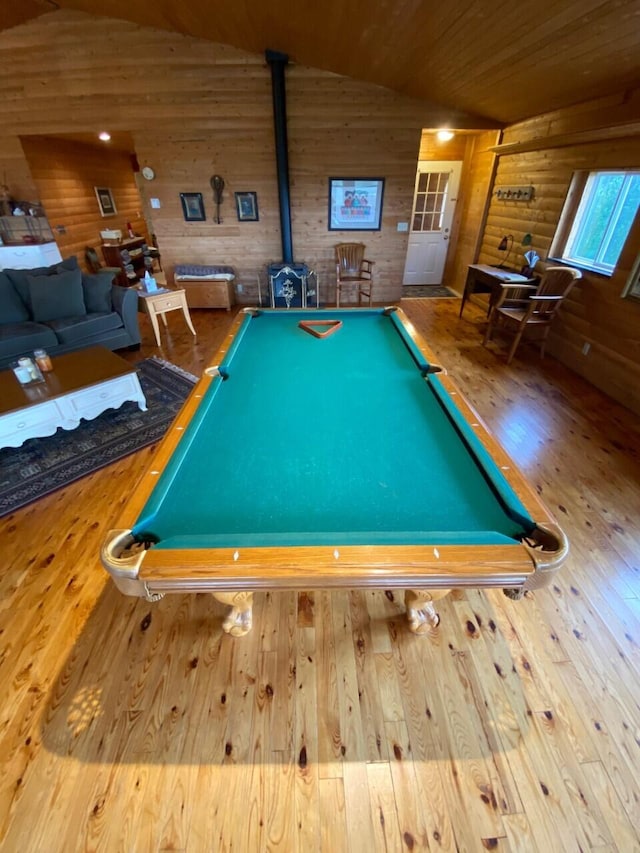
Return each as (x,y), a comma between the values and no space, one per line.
(339,440)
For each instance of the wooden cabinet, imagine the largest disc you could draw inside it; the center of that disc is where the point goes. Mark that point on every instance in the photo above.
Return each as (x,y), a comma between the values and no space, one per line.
(130,256)
(210,293)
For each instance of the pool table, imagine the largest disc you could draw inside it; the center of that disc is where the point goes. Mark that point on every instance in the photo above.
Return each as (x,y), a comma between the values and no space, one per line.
(328,449)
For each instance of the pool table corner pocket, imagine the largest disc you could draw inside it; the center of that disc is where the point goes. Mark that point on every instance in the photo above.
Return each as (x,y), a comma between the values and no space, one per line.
(548,547)
(122,556)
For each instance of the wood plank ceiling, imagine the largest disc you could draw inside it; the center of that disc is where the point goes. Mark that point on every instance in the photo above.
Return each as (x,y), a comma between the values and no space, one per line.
(503,61)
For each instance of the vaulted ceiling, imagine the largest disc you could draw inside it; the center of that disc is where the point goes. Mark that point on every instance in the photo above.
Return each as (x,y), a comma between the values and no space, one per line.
(504,61)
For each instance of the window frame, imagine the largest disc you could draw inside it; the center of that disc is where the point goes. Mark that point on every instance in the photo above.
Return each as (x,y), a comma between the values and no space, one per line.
(569,212)
(632,286)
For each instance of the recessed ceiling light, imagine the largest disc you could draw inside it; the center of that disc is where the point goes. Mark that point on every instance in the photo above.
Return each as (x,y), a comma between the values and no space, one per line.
(444,135)
(104,136)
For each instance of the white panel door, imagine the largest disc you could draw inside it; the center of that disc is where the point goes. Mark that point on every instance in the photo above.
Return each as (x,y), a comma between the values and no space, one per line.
(434,204)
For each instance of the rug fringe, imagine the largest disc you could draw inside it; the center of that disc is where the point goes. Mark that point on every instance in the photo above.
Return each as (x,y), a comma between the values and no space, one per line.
(167,365)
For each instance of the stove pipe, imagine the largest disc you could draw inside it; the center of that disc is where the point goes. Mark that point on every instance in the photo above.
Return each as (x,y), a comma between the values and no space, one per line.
(278,61)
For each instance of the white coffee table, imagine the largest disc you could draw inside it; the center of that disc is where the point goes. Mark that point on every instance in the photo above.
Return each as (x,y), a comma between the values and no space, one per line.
(83,384)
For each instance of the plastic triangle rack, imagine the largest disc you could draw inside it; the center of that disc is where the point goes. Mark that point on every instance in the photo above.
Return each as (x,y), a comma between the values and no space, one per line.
(329,326)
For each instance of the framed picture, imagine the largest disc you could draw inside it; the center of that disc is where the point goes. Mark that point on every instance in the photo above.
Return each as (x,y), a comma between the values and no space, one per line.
(355,204)
(192,207)
(105,201)
(247,207)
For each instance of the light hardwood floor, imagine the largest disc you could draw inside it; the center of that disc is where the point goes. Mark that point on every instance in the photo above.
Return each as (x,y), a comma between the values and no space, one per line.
(129,726)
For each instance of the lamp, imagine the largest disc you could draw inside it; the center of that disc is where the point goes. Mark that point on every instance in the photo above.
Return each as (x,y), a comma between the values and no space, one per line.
(505,245)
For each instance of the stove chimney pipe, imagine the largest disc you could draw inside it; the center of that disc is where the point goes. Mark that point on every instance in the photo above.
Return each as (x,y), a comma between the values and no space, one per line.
(278,62)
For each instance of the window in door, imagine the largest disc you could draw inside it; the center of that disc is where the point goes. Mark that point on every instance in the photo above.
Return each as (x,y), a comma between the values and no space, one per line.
(595,223)
(430,201)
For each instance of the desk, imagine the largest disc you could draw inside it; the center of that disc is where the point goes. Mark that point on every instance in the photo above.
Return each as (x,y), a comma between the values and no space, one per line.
(482,278)
(158,304)
(344,461)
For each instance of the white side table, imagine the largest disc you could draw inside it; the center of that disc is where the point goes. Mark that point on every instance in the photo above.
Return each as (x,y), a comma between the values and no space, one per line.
(158,304)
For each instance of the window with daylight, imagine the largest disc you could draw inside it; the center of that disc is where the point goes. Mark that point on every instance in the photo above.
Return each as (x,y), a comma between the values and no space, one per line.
(598,214)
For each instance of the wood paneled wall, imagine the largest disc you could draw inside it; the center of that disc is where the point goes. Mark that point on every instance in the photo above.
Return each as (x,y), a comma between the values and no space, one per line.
(196,109)
(594,312)
(432,149)
(14,169)
(613,117)
(478,172)
(65,174)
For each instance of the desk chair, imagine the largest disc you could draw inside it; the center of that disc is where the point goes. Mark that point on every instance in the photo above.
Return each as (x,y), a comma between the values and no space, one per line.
(533,310)
(353,269)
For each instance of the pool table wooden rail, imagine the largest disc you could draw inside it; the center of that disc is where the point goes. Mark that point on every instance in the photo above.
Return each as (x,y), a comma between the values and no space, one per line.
(425,572)
(309,567)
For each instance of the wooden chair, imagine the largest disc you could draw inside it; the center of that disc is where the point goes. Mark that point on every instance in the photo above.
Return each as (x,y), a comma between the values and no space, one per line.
(153,251)
(94,264)
(534,307)
(353,269)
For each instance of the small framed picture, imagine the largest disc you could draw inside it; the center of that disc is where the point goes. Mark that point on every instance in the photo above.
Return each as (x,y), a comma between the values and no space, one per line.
(355,204)
(192,207)
(247,207)
(105,201)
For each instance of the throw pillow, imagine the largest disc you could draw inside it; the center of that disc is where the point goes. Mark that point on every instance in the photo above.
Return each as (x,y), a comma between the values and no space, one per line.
(56,296)
(19,280)
(97,292)
(12,308)
(70,263)
(19,277)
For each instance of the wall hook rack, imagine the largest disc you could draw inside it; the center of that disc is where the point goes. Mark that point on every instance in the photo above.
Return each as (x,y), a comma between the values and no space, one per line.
(514,193)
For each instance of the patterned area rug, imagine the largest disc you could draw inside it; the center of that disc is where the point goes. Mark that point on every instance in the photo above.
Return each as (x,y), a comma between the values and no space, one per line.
(43,465)
(426,291)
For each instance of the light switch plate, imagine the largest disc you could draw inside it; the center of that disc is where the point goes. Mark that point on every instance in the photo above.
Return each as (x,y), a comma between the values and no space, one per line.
(402,226)
(155,202)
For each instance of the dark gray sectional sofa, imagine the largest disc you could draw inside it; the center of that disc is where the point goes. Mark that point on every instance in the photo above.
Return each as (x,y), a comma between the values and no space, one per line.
(60,309)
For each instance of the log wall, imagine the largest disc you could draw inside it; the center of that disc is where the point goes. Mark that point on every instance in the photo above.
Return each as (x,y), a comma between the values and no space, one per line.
(594,312)
(475,185)
(66,174)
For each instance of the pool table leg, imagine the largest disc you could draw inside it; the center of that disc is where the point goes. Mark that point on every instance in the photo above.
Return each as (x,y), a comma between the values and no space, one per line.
(239,619)
(421,613)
